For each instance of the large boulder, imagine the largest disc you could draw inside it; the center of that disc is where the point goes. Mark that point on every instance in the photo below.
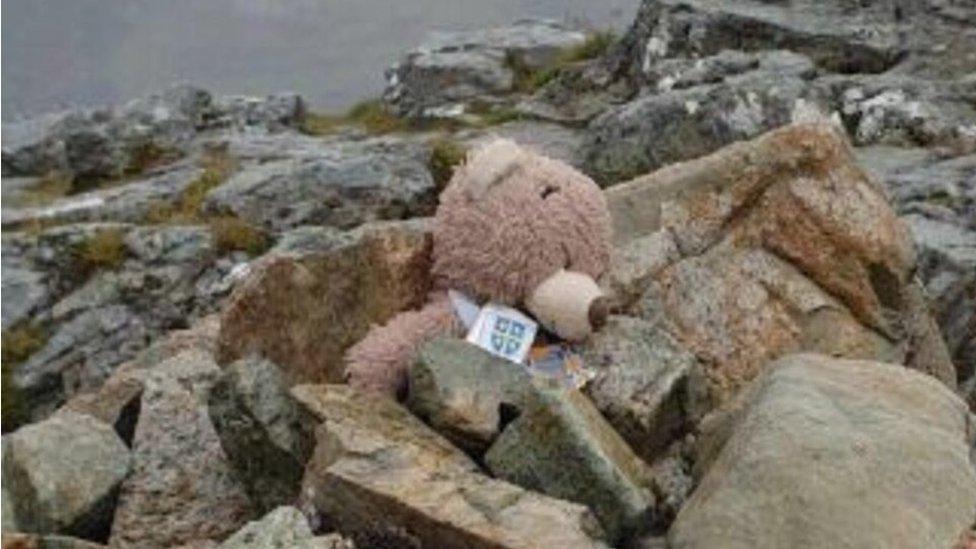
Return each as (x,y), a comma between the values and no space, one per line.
(182,487)
(452,70)
(381,476)
(823,452)
(302,310)
(783,244)
(62,476)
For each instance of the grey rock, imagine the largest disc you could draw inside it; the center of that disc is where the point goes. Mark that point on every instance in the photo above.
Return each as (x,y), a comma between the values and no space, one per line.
(182,487)
(552,140)
(24,288)
(128,203)
(282,528)
(452,70)
(835,35)
(658,129)
(378,473)
(825,451)
(61,476)
(645,384)
(463,392)
(274,113)
(343,186)
(170,245)
(561,446)
(261,431)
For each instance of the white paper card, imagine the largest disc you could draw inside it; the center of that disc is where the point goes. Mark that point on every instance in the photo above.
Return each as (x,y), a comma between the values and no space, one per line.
(465,307)
(503,331)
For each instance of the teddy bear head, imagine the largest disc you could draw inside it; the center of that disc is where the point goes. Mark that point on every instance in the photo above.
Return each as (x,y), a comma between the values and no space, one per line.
(518,228)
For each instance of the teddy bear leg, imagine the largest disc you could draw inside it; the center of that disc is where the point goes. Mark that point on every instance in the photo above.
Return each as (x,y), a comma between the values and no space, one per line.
(380,361)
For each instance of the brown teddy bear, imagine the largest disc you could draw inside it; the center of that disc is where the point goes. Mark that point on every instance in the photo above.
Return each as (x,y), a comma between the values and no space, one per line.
(514,228)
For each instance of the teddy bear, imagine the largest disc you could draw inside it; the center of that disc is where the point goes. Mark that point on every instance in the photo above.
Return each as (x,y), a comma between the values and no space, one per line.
(512,227)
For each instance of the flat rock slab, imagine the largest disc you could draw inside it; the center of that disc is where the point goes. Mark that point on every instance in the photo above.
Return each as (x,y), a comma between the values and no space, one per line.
(380,473)
(61,476)
(283,528)
(834,453)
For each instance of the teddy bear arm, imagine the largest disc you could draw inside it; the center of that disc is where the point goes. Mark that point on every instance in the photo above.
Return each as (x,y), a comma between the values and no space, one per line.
(379,363)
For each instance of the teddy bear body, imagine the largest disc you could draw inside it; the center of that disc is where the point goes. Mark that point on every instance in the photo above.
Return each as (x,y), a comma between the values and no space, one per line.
(510,222)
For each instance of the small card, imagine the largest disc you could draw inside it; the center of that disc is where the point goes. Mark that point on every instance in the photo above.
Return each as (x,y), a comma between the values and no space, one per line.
(504,332)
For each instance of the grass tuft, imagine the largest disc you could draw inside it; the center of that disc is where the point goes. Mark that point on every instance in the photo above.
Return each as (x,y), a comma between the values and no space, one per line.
(529,79)
(187,209)
(445,155)
(104,250)
(232,234)
(18,344)
(371,115)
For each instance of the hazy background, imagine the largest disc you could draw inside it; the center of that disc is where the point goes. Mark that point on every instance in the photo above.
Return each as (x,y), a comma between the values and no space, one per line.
(59,53)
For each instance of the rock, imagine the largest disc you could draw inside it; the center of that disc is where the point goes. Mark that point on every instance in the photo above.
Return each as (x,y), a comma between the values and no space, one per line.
(62,476)
(261,431)
(34,541)
(343,185)
(378,473)
(24,287)
(645,384)
(301,312)
(658,129)
(464,393)
(282,528)
(182,487)
(453,70)
(561,446)
(785,245)
(826,452)
(128,203)
(552,140)
(274,113)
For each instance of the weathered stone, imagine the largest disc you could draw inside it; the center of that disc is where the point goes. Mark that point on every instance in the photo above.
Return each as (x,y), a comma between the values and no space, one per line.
(378,472)
(838,36)
(785,244)
(282,528)
(452,70)
(301,312)
(561,446)
(642,384)
(261,431)
(61,476)
(654,130)
(826,452)
(463,392)
(182,487)
(344,185)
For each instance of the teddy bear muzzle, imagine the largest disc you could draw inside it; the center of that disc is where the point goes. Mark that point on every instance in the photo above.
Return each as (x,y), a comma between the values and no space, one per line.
(569,304)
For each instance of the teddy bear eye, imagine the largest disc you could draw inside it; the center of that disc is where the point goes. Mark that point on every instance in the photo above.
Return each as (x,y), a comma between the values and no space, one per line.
(549,189)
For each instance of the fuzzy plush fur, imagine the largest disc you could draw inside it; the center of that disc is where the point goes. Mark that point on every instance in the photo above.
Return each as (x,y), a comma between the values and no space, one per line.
(508,220)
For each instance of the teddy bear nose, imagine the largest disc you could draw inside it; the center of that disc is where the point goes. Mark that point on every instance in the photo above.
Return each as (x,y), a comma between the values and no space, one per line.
(598,312)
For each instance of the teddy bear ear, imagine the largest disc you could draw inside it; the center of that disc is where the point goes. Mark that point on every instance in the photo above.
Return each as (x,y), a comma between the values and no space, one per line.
(491,164)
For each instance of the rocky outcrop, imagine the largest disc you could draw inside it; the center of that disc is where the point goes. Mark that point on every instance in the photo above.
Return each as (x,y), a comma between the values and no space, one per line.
(453,71)
(784,244)
(302,310)
(381,476)
(834,449)
(108,143)
(62,476)
(343,186)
